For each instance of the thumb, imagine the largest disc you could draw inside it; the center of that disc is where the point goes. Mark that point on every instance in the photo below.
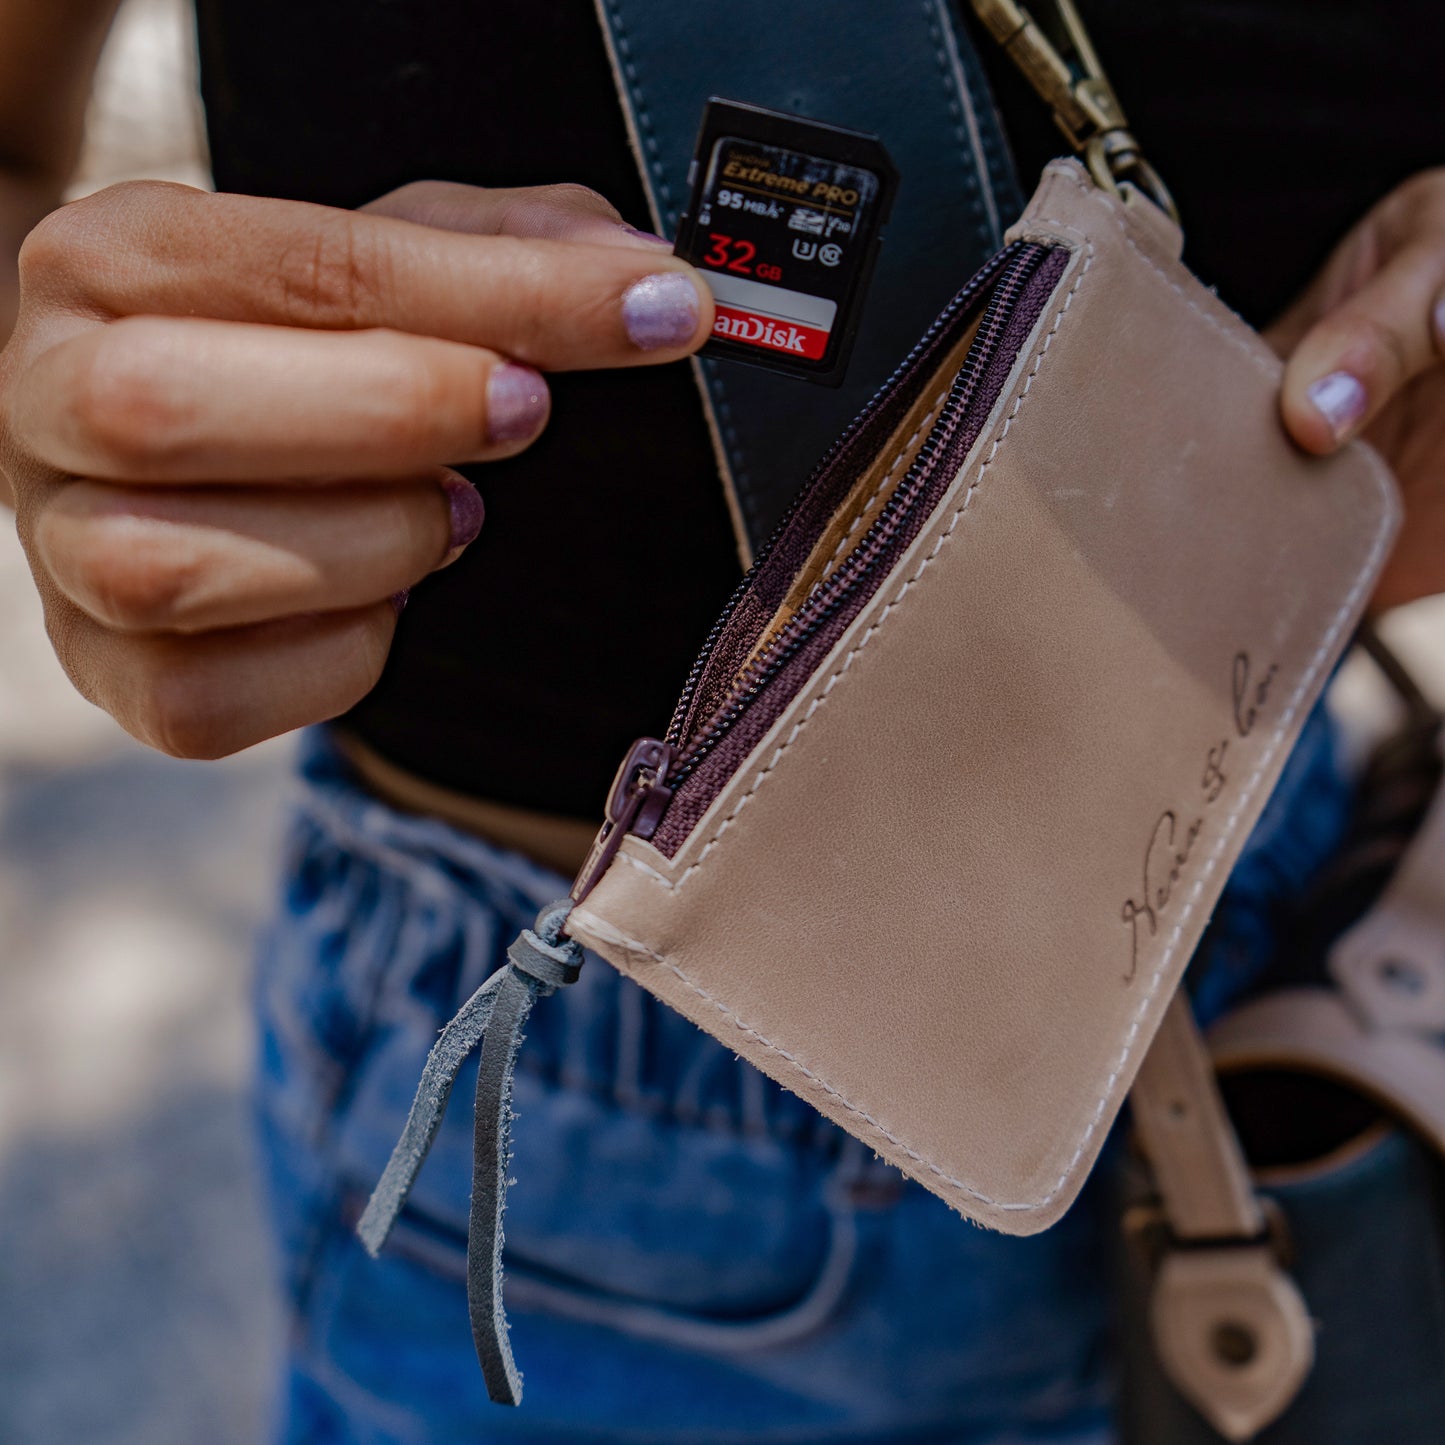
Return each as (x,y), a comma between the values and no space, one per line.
(1355,360)
(551,213)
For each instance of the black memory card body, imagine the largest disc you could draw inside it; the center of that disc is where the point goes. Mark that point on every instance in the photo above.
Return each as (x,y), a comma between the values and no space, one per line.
(784,221)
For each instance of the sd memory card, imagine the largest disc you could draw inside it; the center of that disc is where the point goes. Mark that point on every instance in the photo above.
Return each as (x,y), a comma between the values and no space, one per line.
(784,220)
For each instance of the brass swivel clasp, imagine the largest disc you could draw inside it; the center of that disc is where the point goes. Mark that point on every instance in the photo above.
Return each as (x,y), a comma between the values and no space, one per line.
(1056,57)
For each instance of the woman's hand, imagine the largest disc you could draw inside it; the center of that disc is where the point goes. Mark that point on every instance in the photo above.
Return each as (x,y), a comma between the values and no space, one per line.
(228,423)
(1366,357)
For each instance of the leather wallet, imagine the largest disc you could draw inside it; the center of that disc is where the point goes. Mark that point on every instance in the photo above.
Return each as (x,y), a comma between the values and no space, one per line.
(960,773)
(956,783)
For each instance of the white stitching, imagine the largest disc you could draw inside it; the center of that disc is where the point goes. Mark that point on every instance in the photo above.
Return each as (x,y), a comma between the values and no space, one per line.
(1258,355)
(965,122)
(645,128)
(600,928)
(646,868)
(1352,600)
(661,878)
(714,393)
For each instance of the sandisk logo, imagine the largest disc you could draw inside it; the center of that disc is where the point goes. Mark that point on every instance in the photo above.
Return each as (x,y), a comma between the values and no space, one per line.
(776,336)
(759,332)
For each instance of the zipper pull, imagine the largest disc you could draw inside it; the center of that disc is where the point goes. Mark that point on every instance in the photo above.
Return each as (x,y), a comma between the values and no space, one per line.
(636,803)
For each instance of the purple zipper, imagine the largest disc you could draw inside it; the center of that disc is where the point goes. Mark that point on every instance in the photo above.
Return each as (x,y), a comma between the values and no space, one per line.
(758,595)
(728,703)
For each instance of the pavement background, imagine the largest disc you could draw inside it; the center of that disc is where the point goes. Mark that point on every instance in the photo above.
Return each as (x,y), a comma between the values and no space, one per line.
(135,1298)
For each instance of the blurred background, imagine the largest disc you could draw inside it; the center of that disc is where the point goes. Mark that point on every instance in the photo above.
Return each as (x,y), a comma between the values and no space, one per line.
(135,1298)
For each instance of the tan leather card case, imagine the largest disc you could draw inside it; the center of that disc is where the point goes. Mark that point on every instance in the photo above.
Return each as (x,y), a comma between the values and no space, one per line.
(947,893)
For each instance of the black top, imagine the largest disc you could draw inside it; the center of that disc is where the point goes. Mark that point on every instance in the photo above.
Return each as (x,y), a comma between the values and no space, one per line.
(522,672)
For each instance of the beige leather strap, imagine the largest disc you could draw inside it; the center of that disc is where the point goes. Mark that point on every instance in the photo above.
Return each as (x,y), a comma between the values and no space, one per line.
(1314,1031)
(1391,965)
(1233,1334)
(1383,1033)
(1202,1176)
(1229,1325)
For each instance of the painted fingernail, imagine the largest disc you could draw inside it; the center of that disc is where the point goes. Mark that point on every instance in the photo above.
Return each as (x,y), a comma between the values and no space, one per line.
(1340,399)
(660,311)
(399,600)
(1439,318)
(465,505)
(649,236)
(517,403)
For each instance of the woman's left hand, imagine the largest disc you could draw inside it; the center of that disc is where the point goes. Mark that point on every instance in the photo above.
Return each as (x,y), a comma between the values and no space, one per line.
(1365,356)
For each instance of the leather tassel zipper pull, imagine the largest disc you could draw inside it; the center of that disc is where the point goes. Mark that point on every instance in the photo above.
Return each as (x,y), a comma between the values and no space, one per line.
(540,961)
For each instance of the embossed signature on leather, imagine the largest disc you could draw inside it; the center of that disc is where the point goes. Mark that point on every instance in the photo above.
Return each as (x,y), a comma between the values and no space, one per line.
(1169,855)
(947,895)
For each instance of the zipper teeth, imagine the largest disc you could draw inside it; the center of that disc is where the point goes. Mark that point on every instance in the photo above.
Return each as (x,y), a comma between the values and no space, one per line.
(961,301)
(860,563)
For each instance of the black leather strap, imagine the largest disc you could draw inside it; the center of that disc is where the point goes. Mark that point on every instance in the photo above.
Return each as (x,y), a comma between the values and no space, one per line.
(902,69)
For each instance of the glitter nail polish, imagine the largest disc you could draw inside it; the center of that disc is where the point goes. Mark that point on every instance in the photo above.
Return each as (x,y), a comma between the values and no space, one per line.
(660,311)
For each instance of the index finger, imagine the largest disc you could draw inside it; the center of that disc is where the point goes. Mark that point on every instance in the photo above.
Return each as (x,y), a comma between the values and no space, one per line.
(158,249)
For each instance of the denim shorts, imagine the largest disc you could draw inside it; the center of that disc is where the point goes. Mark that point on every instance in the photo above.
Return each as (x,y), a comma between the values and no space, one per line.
(693,1255)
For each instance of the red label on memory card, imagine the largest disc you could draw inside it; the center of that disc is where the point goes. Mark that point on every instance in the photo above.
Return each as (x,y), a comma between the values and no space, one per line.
(772,317)
(784,222)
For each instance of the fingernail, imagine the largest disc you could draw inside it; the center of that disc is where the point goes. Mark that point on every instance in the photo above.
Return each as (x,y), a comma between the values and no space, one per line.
(517,404)
(399,600)
(465,505)
(660,311)
(1340,399)
(649,236)
(1439,318)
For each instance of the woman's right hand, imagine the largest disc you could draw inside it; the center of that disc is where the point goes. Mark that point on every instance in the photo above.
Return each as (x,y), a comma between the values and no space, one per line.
(227,423)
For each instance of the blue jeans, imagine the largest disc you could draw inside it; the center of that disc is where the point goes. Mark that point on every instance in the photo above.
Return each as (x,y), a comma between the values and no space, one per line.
(693,1255)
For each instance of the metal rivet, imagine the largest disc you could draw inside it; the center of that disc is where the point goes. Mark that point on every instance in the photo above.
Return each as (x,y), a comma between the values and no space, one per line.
(1402,975)
(1235,1344)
